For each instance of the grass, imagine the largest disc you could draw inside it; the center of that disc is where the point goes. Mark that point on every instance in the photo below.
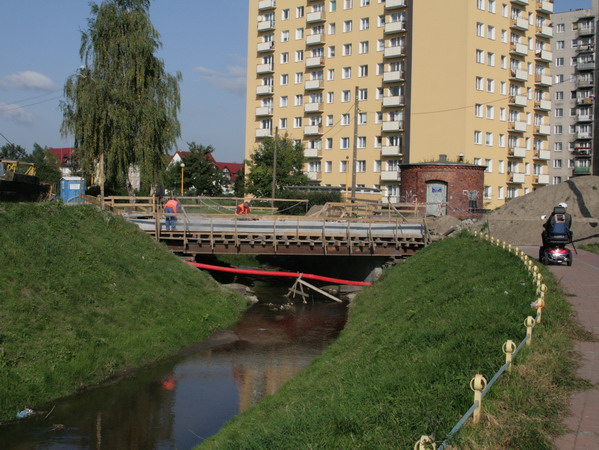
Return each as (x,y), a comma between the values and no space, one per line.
(86,295)
(594,247)
(402,366)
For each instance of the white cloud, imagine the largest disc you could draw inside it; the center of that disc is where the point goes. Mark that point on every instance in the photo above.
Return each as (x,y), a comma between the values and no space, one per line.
(234,80)
(28,80)
(15,113)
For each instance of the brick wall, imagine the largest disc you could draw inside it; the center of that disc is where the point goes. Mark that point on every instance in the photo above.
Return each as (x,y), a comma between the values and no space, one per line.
(459,178)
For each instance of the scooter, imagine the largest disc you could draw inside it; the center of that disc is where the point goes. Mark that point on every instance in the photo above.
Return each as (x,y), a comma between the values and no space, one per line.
(555,253)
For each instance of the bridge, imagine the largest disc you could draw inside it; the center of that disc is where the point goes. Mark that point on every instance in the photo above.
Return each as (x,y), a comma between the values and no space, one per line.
(354,230)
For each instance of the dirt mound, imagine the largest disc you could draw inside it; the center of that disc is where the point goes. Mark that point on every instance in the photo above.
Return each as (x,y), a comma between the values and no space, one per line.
(518,221)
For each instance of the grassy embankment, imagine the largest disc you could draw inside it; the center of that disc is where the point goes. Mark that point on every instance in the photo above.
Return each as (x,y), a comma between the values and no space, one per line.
(402,366)
(86,295)
(591,247)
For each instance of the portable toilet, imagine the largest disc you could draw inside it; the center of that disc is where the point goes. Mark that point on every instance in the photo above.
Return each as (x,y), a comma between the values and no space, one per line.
(70,190)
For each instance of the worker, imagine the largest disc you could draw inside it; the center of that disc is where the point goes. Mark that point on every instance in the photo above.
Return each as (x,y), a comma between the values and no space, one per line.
(243,208)
(170,209)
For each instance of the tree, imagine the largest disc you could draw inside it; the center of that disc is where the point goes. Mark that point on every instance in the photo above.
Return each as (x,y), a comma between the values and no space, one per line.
(121,108)
(290,162)
(47,168)
(239,185)
(12,152)
(201,176)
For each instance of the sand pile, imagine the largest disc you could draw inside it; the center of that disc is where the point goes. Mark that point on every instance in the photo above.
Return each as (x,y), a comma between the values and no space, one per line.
(518,221)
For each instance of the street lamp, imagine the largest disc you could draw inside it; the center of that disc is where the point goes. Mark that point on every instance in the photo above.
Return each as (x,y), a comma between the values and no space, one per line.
(182,176)
(346,178)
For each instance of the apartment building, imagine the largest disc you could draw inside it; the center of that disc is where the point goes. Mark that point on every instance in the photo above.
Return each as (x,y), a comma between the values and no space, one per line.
(573,93)
(404,81)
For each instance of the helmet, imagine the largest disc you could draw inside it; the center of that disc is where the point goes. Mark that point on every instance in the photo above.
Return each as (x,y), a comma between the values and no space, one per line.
(563,205)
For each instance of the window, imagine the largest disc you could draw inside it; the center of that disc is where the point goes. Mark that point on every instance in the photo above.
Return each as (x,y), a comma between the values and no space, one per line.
(361,143)
(363,71)
(284,79)
(490,112)
(560,28)
(503,62)
(284,58)
(283,123)
(560,45)
(480,4)
(346,49)
(285,14)
(348,4)
(380,45)
(346,73)
(491,32)
(363,94)
(500,192)
(332,28)
(501,142)
(488,139)
(328,166)
(478,110)
(559,112)
(299,77)
(344,143)
(285,36)
(283,101)
(558,129)
(559,62)
(376,166)
(490,85)
(502,114)
(479,84)
(558,146)
(490,59)
(380,68)
(346,96)
(331,51)
(342,166)
(330,74)
(492,6)
(299,12)
(297,122)
(380,21)
(364,2)
(299,99)
(360,164)
(557,163)
(488,193)
(478,137)
(333,5)
(362,118)
(480,56)
(299,55)
(364,23)
(504,36)
(347,26)
(480,29)
(344,119)
(363,47)
(328,144)
(299,34)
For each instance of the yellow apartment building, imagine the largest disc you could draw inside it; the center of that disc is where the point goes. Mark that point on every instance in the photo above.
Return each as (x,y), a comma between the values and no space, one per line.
(403,81)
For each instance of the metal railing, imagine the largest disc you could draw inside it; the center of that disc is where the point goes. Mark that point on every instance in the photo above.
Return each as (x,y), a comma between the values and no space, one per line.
(479,384)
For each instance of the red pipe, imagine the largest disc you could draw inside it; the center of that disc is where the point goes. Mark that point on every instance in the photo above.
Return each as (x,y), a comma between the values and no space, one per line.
(279,274)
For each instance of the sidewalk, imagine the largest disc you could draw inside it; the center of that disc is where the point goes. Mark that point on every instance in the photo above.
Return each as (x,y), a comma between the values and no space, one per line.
(581,282)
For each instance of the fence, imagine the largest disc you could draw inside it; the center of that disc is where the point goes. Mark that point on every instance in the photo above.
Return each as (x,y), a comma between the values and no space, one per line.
(479,384)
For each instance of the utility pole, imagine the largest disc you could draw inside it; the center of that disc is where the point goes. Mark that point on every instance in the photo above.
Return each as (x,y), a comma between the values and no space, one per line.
(274,171)
(355,152)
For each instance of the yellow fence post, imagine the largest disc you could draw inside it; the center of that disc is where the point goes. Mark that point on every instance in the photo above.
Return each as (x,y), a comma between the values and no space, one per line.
(508,348)
(539,304)
(424,443)
(478,384)
(529,323)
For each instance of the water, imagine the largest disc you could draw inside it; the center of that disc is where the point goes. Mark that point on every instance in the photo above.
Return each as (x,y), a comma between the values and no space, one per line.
(180,402)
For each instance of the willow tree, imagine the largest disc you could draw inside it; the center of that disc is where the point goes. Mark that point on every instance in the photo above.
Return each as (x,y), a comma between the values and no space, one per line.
(121,108)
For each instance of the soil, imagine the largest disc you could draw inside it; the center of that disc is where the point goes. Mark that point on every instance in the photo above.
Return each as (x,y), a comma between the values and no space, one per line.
(519,221)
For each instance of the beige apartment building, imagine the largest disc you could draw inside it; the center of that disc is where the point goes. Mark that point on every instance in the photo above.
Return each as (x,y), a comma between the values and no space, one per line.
(404,81)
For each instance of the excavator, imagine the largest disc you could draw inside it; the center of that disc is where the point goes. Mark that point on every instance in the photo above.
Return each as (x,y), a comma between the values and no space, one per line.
(18,182)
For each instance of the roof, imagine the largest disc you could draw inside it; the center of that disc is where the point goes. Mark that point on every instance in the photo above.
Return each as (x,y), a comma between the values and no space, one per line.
(232,168)
(63,154)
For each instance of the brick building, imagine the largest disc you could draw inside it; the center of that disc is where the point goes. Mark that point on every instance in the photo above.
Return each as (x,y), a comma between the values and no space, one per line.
(452,188)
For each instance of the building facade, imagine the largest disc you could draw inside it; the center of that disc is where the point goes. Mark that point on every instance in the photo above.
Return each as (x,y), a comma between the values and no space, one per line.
(367,85)
(573,93)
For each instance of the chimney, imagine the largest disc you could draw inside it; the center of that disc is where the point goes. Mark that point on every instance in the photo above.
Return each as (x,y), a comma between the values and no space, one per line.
(442,158)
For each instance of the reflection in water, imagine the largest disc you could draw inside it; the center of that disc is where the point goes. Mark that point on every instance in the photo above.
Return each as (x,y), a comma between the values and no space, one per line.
(179,403)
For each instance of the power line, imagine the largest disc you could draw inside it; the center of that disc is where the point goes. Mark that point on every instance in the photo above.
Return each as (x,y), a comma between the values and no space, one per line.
(6,139)
(30,104)
(36,96)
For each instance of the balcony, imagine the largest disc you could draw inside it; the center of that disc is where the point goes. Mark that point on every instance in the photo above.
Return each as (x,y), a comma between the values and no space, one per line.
(520,2)
(315,17)
(267,4)
(395,52)
(266,25)
(314,62)
(545,7)
(543,80)
(543,105)
(582,82)
(544,55)
(542,154)
(264,90)
(519,75)
(518,127)
(395,27)
(313,108)
(264,111)
(582,152)
(392,126)
(581,170)
(516,152)
(585,31)
(585,117)
(393,101)
(313,130)
(518,100)
(391,150)
(545,31)
(263,132)
(314,85)
(583,48)
(584,101)
(390,175)
(264,68)
(543,130)
(393,4)
(315,39)
(516,178)
(313,153)
(264,47)
(314,176)
(540,179)
(393,77)
(584,135)
(519,49)
(519,24)
(585,66)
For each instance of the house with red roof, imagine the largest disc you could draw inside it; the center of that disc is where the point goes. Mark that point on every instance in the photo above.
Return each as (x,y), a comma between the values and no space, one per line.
(230,170)
(65,159)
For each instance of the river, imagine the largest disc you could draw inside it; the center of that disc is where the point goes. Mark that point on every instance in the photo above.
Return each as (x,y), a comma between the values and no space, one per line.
(181,401)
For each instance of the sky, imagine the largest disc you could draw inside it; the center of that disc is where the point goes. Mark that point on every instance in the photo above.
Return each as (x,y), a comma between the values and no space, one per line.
(205,40)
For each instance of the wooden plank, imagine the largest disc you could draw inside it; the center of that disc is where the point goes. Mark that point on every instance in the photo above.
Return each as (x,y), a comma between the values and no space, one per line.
(320,291)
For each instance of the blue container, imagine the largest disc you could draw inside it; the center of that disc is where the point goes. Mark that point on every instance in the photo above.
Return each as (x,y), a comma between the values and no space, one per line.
(70,190)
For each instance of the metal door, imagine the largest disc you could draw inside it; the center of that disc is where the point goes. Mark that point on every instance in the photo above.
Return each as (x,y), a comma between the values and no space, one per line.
(436,198)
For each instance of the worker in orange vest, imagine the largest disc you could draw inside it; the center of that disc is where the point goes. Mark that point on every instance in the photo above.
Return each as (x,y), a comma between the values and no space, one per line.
(170,209)
(243,208)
